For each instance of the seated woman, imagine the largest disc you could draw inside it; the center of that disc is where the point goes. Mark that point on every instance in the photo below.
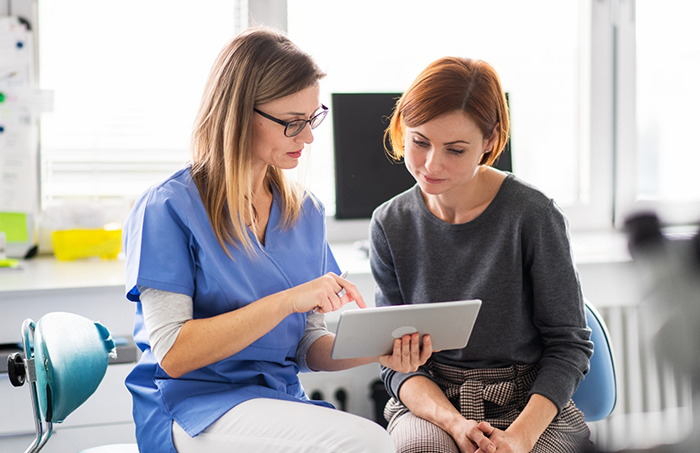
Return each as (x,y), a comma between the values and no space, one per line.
(231,272)
(470,231)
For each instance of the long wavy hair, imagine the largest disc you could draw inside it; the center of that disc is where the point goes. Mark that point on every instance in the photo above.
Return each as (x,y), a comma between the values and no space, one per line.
(447,85)
(258,66)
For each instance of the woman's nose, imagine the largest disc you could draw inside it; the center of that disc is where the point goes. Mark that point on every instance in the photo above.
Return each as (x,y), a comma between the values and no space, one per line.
(431,161)
(306,135)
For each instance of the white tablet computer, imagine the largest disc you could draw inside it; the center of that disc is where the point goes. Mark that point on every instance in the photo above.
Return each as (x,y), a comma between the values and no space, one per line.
(371,332)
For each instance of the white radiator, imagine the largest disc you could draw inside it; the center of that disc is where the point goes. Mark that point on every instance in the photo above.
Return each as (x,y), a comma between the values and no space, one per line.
(654,402)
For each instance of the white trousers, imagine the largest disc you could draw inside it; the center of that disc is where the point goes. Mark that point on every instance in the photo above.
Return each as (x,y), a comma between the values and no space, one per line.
(269,426)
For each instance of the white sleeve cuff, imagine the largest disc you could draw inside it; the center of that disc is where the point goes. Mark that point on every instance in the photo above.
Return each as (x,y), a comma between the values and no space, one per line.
(164,314)
(315,329)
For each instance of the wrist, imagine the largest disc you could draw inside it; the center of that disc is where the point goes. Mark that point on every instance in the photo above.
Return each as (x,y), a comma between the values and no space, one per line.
(526,438)
(284,303)
(451,422)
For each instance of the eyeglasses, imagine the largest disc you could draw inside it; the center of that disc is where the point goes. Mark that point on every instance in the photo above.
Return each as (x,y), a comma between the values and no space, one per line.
(292,128)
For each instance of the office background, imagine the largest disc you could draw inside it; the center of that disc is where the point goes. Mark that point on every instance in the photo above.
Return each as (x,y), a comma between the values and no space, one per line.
(602,96)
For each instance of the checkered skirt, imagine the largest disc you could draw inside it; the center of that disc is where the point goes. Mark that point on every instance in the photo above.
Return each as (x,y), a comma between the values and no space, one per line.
(494,395)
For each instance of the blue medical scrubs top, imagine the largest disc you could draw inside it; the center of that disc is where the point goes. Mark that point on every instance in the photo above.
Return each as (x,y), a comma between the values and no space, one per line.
(170,246)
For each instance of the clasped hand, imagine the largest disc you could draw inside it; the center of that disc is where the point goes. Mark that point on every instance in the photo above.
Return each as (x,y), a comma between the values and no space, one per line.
(481,437)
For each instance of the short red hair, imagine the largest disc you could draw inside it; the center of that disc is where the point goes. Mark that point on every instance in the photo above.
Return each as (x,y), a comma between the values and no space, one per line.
(447,85)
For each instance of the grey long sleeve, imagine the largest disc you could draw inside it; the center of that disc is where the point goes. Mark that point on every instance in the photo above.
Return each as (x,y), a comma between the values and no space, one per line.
(515,257)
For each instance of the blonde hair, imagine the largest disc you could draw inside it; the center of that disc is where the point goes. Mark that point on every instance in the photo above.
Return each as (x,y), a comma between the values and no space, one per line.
(258,66)
(447,85)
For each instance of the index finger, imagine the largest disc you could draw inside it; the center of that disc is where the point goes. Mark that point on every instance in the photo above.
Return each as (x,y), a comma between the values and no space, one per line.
(354,294)
(351,291)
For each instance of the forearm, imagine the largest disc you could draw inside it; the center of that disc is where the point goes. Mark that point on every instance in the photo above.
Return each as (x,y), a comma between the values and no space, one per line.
(202,342)
(318,358)
(426,400)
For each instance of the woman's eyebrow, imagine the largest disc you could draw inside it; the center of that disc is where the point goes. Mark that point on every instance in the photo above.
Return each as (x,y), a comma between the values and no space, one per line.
(444,144)
(302,113)
(457,141)
(418,133)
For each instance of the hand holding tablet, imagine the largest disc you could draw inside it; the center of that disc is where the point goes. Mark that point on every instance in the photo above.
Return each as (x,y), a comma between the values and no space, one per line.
(371,331)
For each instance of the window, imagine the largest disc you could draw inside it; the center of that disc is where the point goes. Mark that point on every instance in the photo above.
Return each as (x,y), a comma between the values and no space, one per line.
(127,78)
(591,127)
(659,159)
(382,46)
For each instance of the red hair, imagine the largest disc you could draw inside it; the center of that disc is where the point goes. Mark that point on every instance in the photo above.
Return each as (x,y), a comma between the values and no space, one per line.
(447,85)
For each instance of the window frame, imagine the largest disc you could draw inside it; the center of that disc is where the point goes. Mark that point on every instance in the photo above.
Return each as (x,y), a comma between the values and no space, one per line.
(623,15)
(608,124)
(596,124)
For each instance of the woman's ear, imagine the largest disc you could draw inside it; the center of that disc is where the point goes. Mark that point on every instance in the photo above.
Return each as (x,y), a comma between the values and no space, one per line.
(488,146)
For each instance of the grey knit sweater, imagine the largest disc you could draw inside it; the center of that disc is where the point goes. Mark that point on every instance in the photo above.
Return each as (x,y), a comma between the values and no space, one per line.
(515,257)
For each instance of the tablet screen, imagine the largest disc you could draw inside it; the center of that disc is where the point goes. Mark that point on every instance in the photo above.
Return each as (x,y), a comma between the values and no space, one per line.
(371,332)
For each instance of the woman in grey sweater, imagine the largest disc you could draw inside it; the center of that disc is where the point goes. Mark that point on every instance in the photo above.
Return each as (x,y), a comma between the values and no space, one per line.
(470,231)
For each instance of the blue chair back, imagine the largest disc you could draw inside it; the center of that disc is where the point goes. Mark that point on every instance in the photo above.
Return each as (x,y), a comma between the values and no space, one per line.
(73,365)
(596,395)
(65,359)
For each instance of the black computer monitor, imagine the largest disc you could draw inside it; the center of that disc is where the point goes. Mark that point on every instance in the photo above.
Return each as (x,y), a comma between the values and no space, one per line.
(365,176)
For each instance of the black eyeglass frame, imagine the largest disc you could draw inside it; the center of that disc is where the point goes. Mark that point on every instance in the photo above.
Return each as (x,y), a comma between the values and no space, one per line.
(314,121)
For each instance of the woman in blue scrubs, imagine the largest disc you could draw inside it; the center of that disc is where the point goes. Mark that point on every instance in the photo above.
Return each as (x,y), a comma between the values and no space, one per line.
(231,272)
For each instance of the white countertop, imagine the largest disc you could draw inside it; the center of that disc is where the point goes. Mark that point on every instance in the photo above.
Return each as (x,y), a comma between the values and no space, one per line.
(48,273)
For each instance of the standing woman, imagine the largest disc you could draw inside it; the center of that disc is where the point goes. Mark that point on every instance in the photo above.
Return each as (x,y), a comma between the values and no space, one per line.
(470,231)
(231,272)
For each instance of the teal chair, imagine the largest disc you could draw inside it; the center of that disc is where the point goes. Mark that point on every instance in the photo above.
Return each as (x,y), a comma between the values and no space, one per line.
(65,359)
(596,395)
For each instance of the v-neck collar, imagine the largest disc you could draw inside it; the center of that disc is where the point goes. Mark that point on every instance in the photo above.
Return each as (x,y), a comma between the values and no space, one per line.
(273,219)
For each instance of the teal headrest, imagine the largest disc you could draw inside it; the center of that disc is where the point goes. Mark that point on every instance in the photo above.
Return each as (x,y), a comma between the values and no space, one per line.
(71,354)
